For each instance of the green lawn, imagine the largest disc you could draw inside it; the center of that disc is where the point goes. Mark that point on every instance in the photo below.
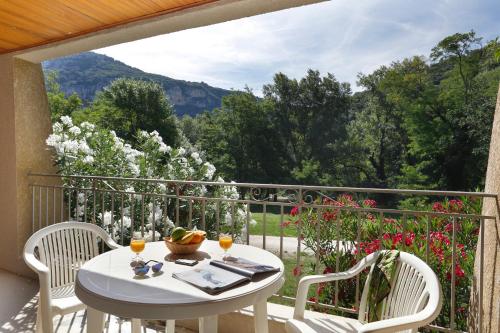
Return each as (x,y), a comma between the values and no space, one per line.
(290,287)
(272,225)
(273,222)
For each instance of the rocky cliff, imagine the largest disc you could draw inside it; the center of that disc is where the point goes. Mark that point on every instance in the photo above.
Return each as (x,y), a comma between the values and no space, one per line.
(87,73)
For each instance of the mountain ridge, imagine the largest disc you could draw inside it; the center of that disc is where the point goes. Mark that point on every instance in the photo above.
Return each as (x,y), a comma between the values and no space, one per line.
(87,73)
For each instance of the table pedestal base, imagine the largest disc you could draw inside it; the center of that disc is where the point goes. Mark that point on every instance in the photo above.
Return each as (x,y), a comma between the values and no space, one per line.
(95,320)
(208,324)
(170,328)
(136,325)
(260,317)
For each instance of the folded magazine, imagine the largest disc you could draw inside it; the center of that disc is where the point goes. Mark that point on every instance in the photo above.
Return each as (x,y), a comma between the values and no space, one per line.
(243,266)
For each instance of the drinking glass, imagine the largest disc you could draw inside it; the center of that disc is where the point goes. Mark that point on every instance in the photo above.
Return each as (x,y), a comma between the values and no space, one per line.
(137,244)
(225,241)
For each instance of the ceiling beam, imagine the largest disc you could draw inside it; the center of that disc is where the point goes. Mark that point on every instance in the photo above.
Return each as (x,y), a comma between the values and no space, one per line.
(203,15)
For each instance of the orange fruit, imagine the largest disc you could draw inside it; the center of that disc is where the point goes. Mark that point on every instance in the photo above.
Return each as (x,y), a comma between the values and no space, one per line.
(199,236)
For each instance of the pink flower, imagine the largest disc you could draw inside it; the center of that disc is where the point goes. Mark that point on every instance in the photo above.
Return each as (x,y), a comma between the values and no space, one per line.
(438,207)
(319,288)
(337,203)
(370,203)
(329,215)
(459,273)
(461,247)
(285,224)
(297,271)
(328,270)
(456,205)
(372,246)
(327,201)
(409,239)
(294,211)
(438,235)
(347,197)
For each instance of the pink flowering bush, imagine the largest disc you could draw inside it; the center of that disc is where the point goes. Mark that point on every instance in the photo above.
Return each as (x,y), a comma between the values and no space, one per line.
(350,229)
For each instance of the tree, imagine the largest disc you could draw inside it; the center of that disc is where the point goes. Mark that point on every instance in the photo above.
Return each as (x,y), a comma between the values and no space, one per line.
(60,104)
(129,105)
(241,140)
(377,129)
(462,50)
(190,127)
(310,116)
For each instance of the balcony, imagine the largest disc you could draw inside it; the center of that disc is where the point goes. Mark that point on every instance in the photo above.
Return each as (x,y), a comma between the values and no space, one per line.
(311,228)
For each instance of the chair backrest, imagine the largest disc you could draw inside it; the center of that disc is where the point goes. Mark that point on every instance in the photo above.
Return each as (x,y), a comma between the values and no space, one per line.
(64,248)
(415,286)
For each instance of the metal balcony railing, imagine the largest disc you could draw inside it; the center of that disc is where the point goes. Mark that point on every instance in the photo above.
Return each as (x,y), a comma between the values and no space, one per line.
(358,226)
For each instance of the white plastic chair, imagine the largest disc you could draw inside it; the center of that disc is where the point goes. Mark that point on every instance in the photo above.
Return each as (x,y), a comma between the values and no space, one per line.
(414,300)
(61,249)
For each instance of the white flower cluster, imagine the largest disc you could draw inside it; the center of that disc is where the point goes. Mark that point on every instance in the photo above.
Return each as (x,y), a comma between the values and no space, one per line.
(87,150)
(68,141)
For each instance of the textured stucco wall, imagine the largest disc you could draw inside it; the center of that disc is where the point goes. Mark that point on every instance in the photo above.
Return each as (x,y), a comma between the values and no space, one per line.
(8,186)
(24,126)
(491,270)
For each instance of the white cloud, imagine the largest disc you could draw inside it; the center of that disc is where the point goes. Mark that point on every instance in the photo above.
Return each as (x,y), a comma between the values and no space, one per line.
(341,36)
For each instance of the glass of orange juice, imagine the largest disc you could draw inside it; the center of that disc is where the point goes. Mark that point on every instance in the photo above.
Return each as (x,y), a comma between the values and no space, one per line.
(137,244)
(225,241)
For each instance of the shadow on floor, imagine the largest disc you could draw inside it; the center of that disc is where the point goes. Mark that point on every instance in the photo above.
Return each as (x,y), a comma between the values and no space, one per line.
(18,305)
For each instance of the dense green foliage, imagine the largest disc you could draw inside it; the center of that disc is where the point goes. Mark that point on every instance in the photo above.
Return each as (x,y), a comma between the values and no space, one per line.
(60,104)
(296,132)
(127,106)
(417,123)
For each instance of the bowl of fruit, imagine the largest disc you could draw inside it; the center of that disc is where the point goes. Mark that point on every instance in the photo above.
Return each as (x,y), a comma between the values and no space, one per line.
(182,241)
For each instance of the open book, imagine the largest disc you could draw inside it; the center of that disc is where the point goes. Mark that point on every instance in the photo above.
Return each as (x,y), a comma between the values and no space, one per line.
(222,275)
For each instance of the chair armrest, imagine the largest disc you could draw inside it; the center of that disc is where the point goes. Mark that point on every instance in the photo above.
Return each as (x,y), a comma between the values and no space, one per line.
(306,281)
(35,264)
(110,242)
(397,324)
(43,275)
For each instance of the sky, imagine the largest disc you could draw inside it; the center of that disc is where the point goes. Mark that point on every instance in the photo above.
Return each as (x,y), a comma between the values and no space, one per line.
(342,37)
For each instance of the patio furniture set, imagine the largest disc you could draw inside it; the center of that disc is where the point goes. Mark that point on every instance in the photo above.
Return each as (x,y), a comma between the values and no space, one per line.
(75,274)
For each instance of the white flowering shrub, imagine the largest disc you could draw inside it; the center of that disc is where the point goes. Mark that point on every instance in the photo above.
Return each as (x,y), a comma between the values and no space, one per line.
(125,206)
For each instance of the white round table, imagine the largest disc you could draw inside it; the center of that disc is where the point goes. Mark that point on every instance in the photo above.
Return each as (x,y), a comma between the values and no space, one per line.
(106,284)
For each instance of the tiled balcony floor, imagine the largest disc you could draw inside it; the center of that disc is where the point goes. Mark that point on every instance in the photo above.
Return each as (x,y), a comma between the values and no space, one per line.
(18,304)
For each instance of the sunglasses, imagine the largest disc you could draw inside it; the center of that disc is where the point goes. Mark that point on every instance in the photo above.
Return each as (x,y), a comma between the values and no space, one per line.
(143,269)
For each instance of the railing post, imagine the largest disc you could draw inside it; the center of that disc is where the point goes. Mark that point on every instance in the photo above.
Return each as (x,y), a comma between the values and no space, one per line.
(94,193)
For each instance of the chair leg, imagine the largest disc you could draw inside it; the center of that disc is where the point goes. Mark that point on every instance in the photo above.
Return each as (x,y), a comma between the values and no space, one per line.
(136,325)
(38,325)
(44,320)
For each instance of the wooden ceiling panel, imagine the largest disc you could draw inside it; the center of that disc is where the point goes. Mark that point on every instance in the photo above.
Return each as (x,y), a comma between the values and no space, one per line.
(28,23)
